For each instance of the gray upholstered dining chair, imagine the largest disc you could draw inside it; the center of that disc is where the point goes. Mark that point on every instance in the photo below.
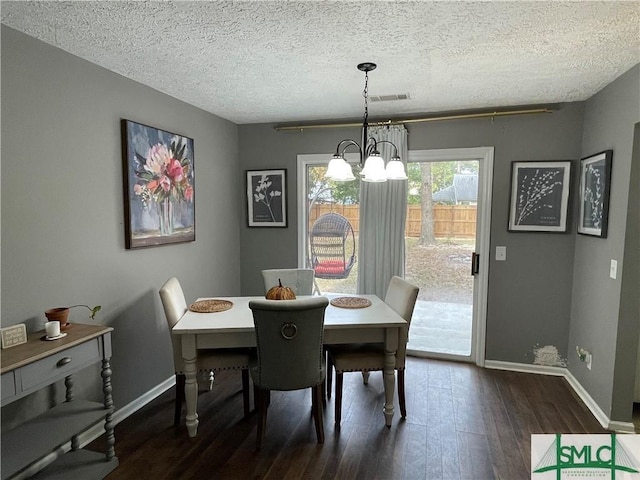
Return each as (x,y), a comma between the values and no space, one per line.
(401,296)
(289,337)
(175,306)
(300,280)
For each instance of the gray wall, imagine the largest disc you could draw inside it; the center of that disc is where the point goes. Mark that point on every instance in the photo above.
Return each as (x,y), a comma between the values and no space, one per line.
(529,294)
(62,206)
(603,320)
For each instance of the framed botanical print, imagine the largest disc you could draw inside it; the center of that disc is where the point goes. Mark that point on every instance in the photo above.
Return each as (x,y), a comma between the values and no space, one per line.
(539,196)
(159,186)
(267,198)
(595,185)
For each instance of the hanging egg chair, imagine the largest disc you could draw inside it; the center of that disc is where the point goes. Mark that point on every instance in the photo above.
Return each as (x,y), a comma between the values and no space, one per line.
(332,246)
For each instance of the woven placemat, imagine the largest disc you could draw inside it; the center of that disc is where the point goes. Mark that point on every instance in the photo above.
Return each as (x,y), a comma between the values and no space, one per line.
(351,302)
(210,306)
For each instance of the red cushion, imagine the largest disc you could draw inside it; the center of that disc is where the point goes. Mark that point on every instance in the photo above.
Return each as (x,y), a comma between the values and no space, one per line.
(332,267)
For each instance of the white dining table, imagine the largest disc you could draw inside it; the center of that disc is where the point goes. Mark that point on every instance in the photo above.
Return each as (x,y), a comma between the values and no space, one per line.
(377,323)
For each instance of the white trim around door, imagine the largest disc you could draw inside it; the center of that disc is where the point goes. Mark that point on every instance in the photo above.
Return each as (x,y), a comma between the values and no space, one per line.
(484,155)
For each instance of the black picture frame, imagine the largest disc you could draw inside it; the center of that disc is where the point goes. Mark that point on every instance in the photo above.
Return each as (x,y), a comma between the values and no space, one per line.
(595,190)
(159,186)
(267,198)
(539,196)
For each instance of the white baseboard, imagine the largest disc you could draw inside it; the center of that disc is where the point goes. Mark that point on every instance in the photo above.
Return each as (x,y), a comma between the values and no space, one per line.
(622,427)
(120,414)
(143,399)
(94,432)
(603,419)
(588,400)
(525,368)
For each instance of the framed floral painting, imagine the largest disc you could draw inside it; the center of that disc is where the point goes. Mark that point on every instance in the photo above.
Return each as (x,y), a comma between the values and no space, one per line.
(267,198)
(539,196)
(159,186)
(595,182)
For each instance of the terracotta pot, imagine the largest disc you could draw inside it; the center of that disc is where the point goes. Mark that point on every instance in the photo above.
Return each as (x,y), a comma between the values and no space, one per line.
(60,314)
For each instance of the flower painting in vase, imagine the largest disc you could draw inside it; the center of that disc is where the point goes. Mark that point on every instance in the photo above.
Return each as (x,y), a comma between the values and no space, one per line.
(159,186)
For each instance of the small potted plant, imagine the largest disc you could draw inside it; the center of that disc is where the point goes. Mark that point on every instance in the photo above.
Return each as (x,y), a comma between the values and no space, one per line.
(61,314)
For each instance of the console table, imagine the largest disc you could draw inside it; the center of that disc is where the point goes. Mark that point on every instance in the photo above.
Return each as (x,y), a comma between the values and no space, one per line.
(36,364)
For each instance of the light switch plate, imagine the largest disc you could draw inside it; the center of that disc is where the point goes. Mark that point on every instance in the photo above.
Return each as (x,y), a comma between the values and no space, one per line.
(501,253)
(613,270)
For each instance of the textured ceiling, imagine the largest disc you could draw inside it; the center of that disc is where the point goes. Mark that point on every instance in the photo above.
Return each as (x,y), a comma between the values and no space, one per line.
(284,61)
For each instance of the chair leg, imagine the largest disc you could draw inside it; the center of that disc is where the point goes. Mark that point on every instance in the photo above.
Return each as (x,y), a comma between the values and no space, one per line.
(401,396)
(329,376)
(338,398)
(323,387)
(365,377)
(245,392)
(324,380)
(317,395)
(256,394)
(180,380)
(322,396)
(262,415)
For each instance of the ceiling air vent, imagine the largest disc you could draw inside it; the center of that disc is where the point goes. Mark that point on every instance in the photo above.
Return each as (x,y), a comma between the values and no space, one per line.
(389,98)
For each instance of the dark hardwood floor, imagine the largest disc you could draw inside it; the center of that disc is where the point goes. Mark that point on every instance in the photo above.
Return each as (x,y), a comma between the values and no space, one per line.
(463,422)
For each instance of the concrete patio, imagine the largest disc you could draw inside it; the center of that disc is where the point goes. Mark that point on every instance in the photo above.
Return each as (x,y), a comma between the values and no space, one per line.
(441,328)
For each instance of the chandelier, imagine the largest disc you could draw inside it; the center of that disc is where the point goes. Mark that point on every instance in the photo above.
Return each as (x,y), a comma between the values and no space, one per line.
(374,169)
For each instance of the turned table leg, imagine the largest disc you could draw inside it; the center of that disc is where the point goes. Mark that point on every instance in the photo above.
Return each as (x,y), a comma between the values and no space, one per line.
(108,405)
(191,382)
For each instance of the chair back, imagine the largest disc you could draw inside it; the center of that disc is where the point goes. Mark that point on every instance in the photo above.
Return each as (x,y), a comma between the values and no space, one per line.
(401,296)
(289,336)
(333,246)
(300,280)
(175,307)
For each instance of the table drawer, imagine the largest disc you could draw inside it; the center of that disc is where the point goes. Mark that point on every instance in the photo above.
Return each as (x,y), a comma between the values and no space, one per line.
(59,365)
(8,385)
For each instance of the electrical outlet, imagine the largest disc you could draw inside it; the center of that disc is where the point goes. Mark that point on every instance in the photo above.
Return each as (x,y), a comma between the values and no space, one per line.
(584,356)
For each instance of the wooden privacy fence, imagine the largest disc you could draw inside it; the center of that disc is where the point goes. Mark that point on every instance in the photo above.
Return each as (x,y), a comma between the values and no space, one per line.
(458,221)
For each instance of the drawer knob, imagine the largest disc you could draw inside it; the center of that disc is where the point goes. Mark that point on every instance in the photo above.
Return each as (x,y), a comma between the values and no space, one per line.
(63,361)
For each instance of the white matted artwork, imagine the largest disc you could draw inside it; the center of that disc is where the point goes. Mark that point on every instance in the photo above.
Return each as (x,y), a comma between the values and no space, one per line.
(267,198)
(539,196)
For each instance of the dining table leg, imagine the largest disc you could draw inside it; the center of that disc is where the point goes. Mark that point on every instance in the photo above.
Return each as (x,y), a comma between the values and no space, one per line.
(389,373)
(189,354)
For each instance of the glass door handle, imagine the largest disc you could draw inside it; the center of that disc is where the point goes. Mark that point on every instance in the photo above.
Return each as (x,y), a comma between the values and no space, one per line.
(475,263)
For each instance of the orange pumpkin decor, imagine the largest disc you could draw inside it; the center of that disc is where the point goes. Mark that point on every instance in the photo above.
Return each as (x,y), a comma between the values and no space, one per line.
(280,293)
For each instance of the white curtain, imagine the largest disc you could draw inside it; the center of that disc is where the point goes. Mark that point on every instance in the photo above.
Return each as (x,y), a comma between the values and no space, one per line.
(383,212)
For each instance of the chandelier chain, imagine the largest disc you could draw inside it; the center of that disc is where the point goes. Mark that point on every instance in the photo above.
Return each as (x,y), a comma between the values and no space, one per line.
(365,94)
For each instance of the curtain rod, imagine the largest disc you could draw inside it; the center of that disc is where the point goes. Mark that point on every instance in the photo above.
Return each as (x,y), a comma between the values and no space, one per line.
(281,128)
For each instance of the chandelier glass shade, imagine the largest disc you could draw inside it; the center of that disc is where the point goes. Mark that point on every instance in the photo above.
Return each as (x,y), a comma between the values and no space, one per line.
(372,164)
